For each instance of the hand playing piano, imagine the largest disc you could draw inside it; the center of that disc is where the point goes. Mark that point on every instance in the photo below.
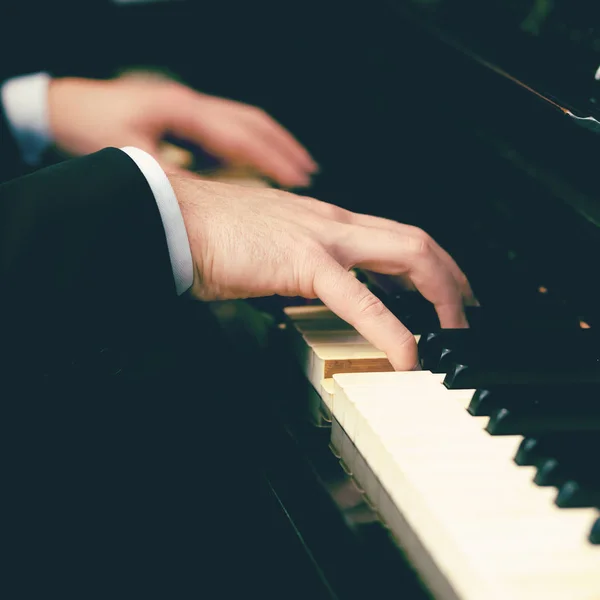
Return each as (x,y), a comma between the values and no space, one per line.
(88,115)
(252,242)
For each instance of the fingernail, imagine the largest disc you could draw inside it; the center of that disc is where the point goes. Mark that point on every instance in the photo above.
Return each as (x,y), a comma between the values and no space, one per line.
(417,367)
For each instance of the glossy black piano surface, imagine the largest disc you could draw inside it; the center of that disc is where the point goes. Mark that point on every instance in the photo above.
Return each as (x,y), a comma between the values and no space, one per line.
(551,45)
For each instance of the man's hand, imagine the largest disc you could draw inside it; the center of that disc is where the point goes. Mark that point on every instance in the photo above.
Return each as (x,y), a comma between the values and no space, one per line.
(257,242)
(87,115)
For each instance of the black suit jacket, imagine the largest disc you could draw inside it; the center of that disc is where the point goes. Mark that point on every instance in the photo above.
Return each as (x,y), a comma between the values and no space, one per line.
(105,477)
(11,164)
(83,261)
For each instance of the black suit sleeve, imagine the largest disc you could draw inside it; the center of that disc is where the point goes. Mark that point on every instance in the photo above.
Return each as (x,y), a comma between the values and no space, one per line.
(11,164)
(83,258)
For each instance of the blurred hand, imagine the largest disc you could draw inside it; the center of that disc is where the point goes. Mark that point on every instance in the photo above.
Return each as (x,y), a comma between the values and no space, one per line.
(87,115)
(249,242)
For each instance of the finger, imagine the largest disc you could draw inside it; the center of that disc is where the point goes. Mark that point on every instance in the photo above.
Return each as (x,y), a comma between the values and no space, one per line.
(247,148)
(353,302)
(345,216)
(258,153)
(284,141)
(386,252)
(460,278)
(463,283)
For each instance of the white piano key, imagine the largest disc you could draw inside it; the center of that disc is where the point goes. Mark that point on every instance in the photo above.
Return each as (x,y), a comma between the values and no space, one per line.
(297,314)
(445,568)
(502,536)
(344,410)
(517,561)
(463,397)
(320,337)
(324,344)
(364,477)
(348,380)
(329,359)
(337,436)
(553,585)
(551,526)
(472,520)
(327,394)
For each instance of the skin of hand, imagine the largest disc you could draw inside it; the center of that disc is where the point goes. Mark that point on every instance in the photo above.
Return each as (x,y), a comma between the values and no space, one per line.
(251,242)
(87,115)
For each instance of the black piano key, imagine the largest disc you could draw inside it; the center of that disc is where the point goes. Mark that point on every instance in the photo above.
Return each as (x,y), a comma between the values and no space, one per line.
(577,493)
(427,347)
(484,402)
(550,472)
(534,449)
(577,462)
(414,311)
(539,317)
(537,358)
(507,421)
(512,349)
(462,376)
(419,315)
(595,533)
(434,346)
(441,349)
(533,401)
(525,349)
(530,450)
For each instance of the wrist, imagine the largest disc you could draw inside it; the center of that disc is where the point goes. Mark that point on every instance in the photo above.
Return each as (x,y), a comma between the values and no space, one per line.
(186,189)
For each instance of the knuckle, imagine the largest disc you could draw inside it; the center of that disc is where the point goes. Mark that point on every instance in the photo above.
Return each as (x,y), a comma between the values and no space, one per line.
(369,306)
(419,243)
(169,94)
(339,239)
(171,91)
(336,213)
(420,234)
(405,338)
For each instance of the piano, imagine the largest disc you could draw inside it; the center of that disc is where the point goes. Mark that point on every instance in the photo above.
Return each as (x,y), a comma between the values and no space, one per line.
(478,476)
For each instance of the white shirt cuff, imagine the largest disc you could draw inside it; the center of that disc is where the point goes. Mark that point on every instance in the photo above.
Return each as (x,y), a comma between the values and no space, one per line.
(170,213)
(25,101)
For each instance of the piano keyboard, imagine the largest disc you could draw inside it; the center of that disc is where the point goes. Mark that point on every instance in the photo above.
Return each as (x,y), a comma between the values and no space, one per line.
(473,522)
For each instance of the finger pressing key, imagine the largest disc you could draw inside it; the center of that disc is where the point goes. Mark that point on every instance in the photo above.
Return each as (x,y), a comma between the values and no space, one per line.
(353,302)
(390,253)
